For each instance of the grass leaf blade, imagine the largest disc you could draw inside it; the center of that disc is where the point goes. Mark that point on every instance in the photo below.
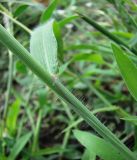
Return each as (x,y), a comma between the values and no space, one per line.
(127,69)
(48,12)
(19,145)
(106,33)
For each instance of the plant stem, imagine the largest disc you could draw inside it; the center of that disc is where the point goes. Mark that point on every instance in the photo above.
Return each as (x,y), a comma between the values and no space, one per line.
(36,132)
(9,27)
(67,133)
(8,85)
(104,109)
(6,13)
(10,42)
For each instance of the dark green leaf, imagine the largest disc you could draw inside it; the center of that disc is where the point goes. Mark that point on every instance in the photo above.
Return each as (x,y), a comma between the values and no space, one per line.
(48,12)
(20,10)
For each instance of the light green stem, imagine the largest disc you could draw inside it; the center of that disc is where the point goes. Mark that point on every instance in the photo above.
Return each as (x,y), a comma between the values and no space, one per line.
(36,132)
(10,42)
(16,22)
(9,27)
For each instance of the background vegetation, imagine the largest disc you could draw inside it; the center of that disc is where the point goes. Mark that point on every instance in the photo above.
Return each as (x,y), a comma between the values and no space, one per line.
(35,123)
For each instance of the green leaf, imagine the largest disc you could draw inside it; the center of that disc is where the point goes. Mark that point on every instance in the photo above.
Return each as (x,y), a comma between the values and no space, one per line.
(13,112)
(67,20)
(127,69)
(102,30)
(42,92)
(97,145)
(131,119)
(19,145)
(88,155)
(108,34)
(43,46)
(48,12)
(133,41)
(48,151)
(58,35)
(97,58)
(20,10)
(2,157)
(20,67)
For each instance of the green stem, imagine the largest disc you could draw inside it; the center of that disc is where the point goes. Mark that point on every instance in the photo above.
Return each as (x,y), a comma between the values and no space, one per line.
(67,133)
(3,8)
(16,22)
(36,132)
(64,144)
(9,27)
(10,42)
(104,109)
(8,85)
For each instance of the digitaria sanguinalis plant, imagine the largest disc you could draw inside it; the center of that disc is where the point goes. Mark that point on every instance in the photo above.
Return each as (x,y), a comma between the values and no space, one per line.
(54,83)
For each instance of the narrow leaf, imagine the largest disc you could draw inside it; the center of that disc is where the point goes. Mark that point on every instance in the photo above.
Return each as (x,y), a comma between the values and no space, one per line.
(97,146)
(43,46)
(48,12)
(20,10)
(58,35)
(67,20)
(106,32)
(97,58)
(131,119)
(19,145)
(11,121)
(127,69)
(102,30)
(48,151)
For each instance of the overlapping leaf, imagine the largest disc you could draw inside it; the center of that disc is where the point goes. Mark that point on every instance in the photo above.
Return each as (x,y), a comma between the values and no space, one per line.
(43,46)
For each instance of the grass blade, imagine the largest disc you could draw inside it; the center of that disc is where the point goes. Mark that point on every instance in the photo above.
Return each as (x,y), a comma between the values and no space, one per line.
(67,20)
(48,12)
(58,35)
(19,145)
(106,33)
(20,10)
(127,69)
